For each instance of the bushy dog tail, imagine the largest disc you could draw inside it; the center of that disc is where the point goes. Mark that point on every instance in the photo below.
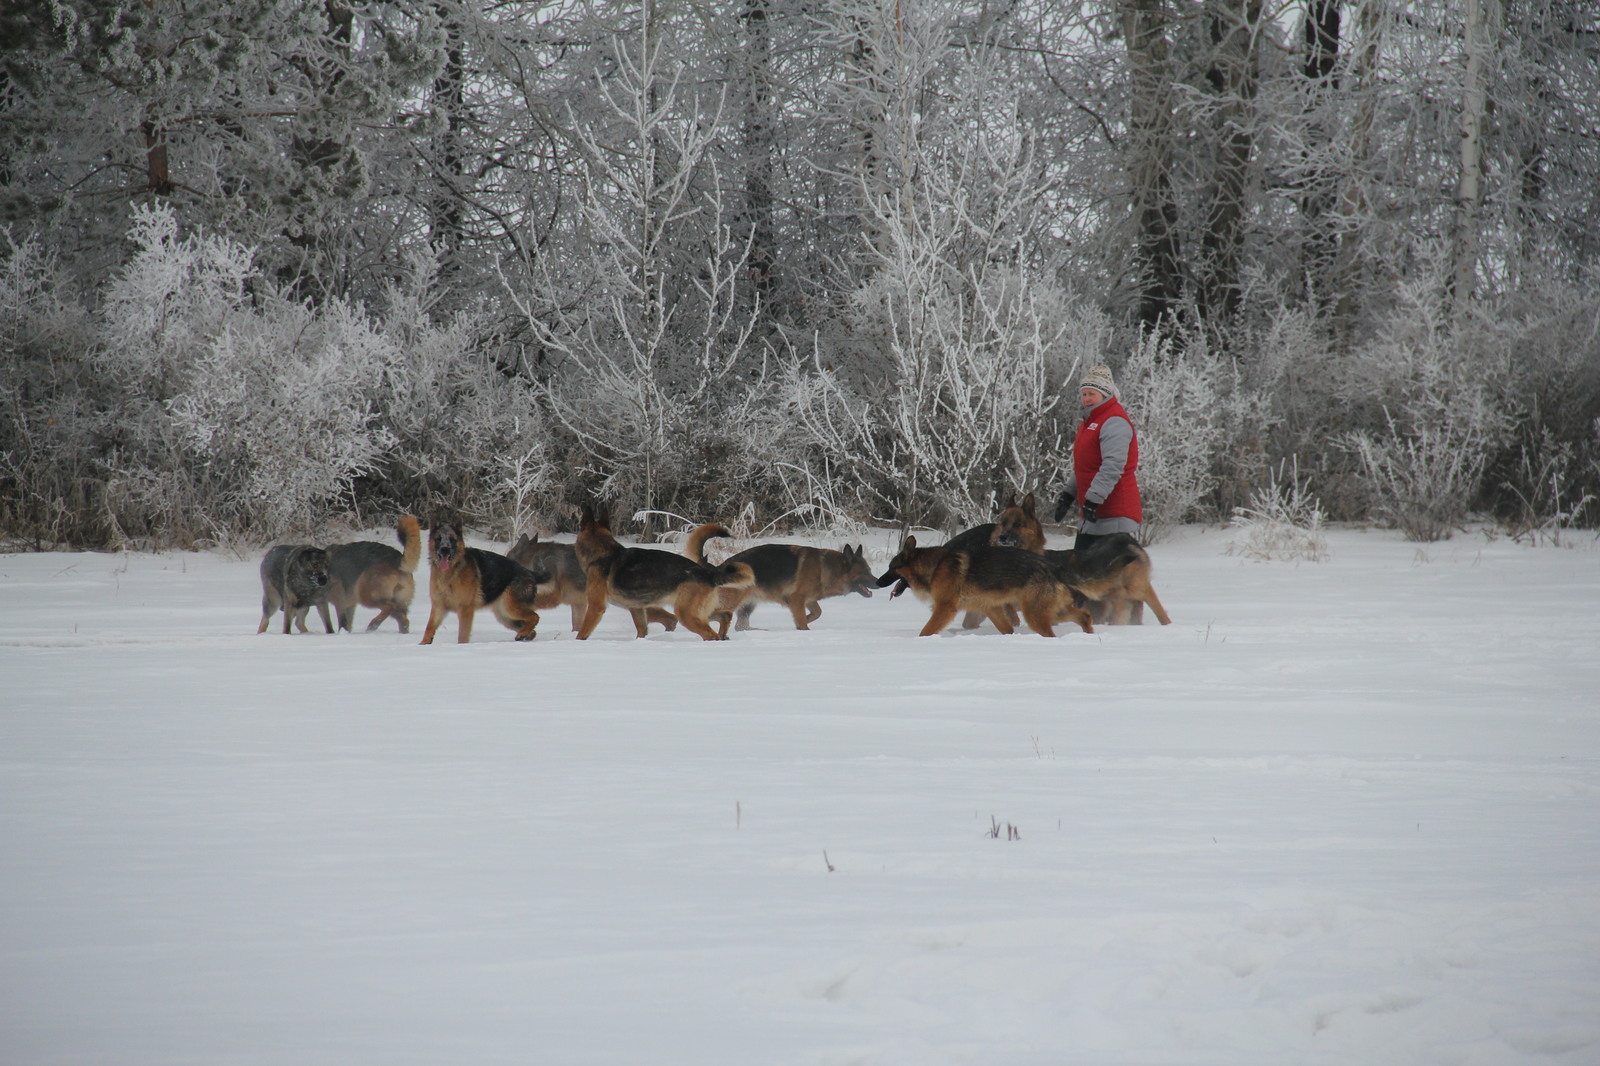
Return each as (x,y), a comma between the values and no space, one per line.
(733,576)
(410,531)
(694,547)
(1125,550)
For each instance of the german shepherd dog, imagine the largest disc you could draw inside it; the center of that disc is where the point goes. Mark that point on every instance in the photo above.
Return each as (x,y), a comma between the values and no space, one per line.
(988,579)
(568,583)
(375,575)
(1018,526)
(795,575)
(294,578)
(1113,574)
(640,578)
(465,579)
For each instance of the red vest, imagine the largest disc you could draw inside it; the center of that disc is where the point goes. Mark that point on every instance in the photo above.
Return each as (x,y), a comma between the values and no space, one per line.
(1124,499)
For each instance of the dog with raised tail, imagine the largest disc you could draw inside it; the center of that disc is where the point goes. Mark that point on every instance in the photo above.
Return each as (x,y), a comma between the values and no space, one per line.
(376,575)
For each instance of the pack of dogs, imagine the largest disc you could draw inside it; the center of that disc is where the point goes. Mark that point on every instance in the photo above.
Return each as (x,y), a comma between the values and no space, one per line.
(1000,571)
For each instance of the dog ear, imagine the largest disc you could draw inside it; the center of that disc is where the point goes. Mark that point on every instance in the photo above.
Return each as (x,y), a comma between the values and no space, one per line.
(908,543)
(1028,505)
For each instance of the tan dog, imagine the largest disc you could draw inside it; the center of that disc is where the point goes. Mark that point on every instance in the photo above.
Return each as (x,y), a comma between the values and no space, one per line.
(641,578)
(464,580)
(375,575)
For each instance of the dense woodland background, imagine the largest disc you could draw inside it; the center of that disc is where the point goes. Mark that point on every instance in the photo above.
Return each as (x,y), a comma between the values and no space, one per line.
(272,268)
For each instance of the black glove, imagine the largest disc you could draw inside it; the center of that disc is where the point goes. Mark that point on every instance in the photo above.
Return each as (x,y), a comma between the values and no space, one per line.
(1064,503)
(1089,510)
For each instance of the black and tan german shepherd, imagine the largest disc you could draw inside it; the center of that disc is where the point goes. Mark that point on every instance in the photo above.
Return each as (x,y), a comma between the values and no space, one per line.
(797,576)
(466,579)
(1113,574)
(376,575)
(1017,526)
(641,578)
(568,583)
(988,579)
(294,578)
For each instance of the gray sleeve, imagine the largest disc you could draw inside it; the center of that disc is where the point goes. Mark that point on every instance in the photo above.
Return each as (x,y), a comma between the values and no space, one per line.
(1116,436)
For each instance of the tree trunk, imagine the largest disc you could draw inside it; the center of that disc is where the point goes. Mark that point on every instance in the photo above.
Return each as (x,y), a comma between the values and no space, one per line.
(1348,265)
(1235,30)
(758,148)
(158,172)
(446,220)
(1154,215)
(1320,38)
(1469,185)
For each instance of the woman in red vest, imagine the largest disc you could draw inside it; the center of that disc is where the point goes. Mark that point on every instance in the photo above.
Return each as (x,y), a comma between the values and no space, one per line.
(1105,457)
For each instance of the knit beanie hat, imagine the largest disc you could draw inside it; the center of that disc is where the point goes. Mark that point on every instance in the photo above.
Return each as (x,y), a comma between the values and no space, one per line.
(1099,377)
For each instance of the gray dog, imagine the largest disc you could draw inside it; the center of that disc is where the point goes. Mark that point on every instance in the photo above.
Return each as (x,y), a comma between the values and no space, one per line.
(294,578)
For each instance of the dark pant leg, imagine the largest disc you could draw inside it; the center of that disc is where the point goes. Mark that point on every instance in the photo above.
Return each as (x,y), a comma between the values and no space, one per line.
(1085,539)
(1080,546)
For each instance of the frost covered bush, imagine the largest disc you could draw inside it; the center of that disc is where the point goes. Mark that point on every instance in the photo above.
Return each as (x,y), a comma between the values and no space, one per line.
(1545,475)
(470,437)
(1424,468)
(973,406)
(50,488)
(285,396)
(245,412)
(1284,520)
(1189,409)
(1441,416)
(251,411)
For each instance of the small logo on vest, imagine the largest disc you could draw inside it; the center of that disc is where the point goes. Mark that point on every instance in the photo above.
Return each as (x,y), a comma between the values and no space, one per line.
(1094,425)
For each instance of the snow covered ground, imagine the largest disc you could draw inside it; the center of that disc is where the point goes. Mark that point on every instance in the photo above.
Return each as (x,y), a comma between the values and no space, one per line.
(1344,812)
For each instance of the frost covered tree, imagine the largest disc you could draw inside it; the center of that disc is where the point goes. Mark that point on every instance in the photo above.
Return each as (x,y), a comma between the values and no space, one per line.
(639,304)
(811,257)
(268,123)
